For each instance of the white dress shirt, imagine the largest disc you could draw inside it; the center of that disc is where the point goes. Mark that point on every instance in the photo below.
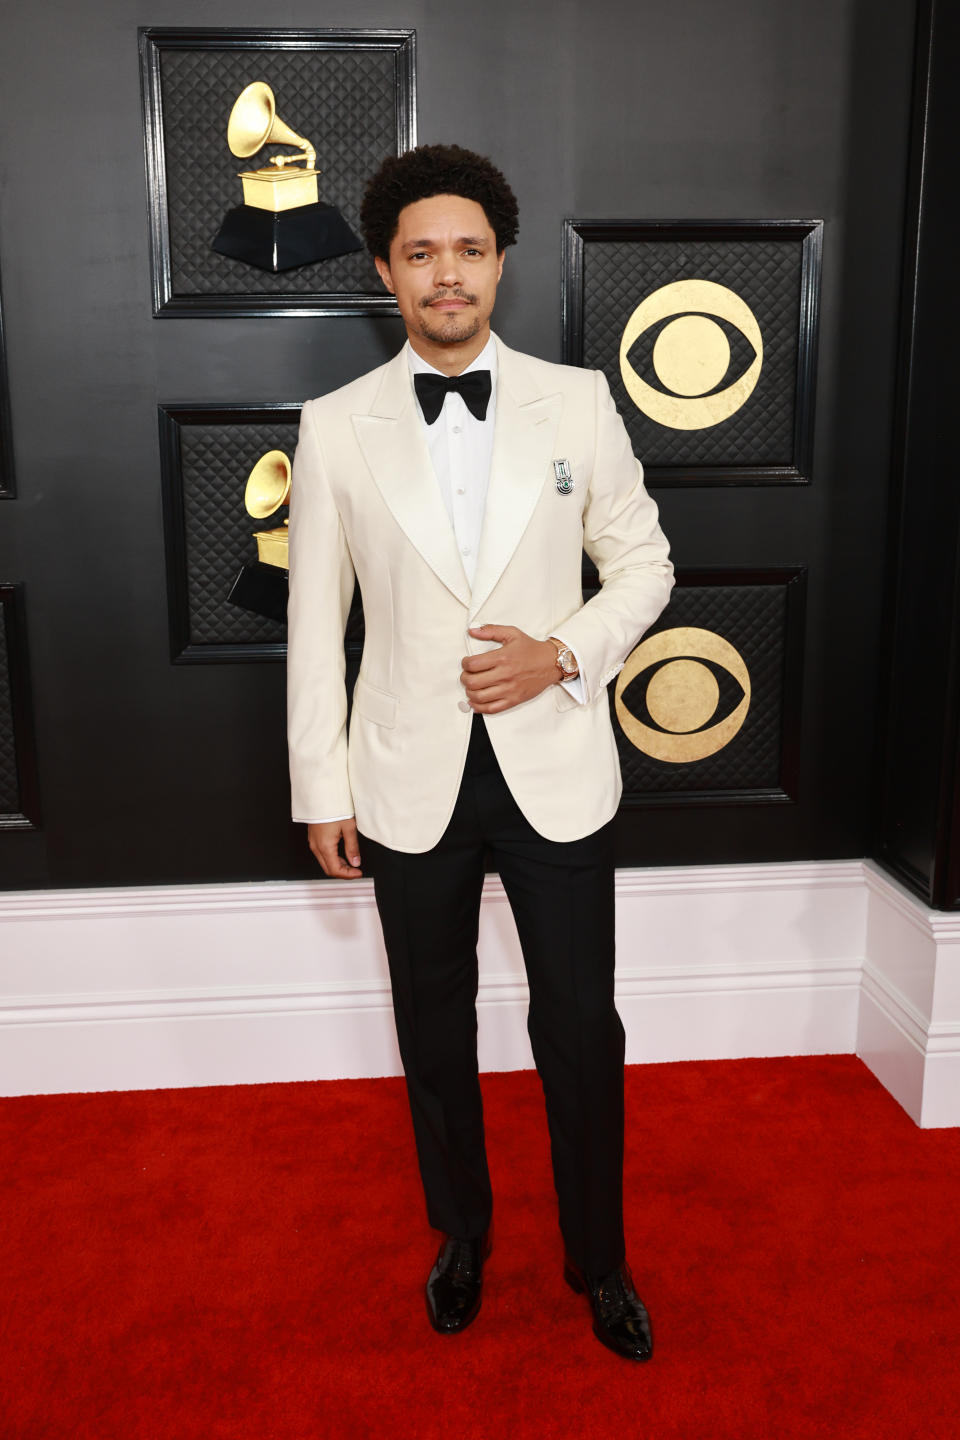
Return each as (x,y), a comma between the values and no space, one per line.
(461,449)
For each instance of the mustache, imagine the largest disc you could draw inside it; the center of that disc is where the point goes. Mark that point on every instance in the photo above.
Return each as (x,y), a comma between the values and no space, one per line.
(458,293)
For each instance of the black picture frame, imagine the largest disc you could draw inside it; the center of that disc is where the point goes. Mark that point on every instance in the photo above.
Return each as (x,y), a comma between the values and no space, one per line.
(274,300)
(806,235)
(20,711)
(183,599)
(793,580)
(172,419)
(8,487)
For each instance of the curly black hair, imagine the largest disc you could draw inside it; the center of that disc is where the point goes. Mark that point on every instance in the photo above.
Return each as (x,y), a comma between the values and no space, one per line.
(435,170)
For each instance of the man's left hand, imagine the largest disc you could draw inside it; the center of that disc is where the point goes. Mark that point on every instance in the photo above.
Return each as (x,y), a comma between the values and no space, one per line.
(518,670)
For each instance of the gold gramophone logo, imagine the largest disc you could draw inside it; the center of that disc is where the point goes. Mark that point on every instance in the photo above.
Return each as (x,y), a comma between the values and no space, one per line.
(268,488)
(281,184)
(282,222)
(682,695)
(262,586)
(691,354)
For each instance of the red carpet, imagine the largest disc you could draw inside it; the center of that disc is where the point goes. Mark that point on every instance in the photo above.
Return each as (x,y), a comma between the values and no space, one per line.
(249,1262)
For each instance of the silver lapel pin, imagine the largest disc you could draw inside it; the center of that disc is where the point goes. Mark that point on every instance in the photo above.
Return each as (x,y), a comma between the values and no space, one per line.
(565,482)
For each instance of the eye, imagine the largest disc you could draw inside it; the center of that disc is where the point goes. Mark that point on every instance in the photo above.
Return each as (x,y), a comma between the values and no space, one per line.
(673,687)
(690,336)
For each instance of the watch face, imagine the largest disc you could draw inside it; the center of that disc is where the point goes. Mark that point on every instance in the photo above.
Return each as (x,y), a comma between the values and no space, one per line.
(567,662)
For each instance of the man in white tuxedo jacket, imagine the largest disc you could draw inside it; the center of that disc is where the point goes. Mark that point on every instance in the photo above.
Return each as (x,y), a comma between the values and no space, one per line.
(460,484)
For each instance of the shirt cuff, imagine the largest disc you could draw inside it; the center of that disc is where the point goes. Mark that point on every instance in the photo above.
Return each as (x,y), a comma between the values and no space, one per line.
(328,820)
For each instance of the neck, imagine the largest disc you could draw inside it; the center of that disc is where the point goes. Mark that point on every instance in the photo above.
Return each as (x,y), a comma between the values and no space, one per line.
(450,357)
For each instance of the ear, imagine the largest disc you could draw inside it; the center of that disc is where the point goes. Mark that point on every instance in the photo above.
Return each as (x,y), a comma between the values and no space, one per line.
(383,270)
(500,259)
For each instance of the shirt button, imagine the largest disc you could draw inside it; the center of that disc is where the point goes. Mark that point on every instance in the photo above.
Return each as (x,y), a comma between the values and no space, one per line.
(463,705)
(461,490)
(456,430)
(465,550)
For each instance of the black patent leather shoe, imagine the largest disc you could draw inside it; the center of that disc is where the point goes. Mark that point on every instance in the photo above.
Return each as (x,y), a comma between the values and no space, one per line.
(620,1319)
(455,1284)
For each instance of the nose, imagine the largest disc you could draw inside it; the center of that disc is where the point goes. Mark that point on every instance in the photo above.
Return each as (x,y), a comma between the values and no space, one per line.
(448,269)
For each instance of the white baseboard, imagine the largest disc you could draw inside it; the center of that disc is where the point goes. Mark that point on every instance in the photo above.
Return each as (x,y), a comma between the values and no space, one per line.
(231,984)
(909,1026)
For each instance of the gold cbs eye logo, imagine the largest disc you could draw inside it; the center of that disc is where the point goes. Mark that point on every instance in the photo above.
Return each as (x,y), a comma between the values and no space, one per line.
(691,355)
(682,695)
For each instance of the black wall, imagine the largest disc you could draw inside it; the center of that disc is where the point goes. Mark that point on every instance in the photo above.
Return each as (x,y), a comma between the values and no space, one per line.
(151,772)
(918,814)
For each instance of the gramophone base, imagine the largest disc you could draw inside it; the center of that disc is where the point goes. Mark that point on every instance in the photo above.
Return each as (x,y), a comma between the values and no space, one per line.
(262,589)
(282,240)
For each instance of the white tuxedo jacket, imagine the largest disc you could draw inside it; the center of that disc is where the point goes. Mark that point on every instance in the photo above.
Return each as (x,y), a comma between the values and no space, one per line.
(365,501)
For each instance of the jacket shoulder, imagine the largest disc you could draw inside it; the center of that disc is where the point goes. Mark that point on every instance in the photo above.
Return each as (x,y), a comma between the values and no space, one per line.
(548,375)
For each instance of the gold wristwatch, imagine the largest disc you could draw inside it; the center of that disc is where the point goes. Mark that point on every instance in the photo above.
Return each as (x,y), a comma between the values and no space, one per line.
(567,661)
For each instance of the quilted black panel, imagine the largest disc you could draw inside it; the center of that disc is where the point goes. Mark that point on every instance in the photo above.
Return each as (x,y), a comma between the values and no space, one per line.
(344,101)
(9,778)
(216,460)
(752,618)
(617,275)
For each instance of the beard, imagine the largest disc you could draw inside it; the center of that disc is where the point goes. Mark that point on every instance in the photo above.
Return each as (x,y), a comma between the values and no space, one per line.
(449,329)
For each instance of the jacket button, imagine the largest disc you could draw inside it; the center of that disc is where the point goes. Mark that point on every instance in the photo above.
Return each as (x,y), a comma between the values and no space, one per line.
(463,705)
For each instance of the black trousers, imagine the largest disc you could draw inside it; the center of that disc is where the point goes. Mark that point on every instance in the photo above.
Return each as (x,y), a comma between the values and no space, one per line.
(562,897)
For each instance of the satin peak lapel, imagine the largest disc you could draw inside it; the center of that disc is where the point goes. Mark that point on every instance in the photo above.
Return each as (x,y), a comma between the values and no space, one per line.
(392,442)
(526,430)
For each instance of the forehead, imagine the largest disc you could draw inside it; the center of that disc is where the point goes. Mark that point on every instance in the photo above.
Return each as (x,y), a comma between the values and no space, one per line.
(442,215)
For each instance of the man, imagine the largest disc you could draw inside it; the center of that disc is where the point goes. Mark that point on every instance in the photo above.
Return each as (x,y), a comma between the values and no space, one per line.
(460,483)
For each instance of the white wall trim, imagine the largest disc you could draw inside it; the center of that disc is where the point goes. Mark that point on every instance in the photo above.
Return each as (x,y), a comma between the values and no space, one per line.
(928,1037)
(222,984)
(895,1005)
(941,925)
(342,995)
(134,901)
(908,1028)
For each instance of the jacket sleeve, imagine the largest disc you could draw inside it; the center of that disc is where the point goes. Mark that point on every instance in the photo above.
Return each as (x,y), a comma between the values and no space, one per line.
(623,538)
(321,589)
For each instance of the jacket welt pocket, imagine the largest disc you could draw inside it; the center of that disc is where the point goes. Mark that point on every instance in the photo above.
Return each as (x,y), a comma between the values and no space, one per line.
(376,705)
(566,701)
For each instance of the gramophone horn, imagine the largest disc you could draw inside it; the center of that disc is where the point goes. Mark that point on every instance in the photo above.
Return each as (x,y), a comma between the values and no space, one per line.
(254,122)
(268,485)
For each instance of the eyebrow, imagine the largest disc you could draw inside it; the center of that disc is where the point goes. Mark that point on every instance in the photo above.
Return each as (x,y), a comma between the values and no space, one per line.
(426,243)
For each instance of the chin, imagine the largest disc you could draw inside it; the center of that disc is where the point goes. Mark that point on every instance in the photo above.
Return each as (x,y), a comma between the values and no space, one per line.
(451,328)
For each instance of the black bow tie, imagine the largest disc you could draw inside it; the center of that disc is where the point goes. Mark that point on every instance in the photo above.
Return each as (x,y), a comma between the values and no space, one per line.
(474,386)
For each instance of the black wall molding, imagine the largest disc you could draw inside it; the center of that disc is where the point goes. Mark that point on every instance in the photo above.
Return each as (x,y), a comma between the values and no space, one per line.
(19,783)
(917,823)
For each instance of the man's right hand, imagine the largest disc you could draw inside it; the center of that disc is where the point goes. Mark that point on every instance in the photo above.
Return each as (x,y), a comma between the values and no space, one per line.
(324,840)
